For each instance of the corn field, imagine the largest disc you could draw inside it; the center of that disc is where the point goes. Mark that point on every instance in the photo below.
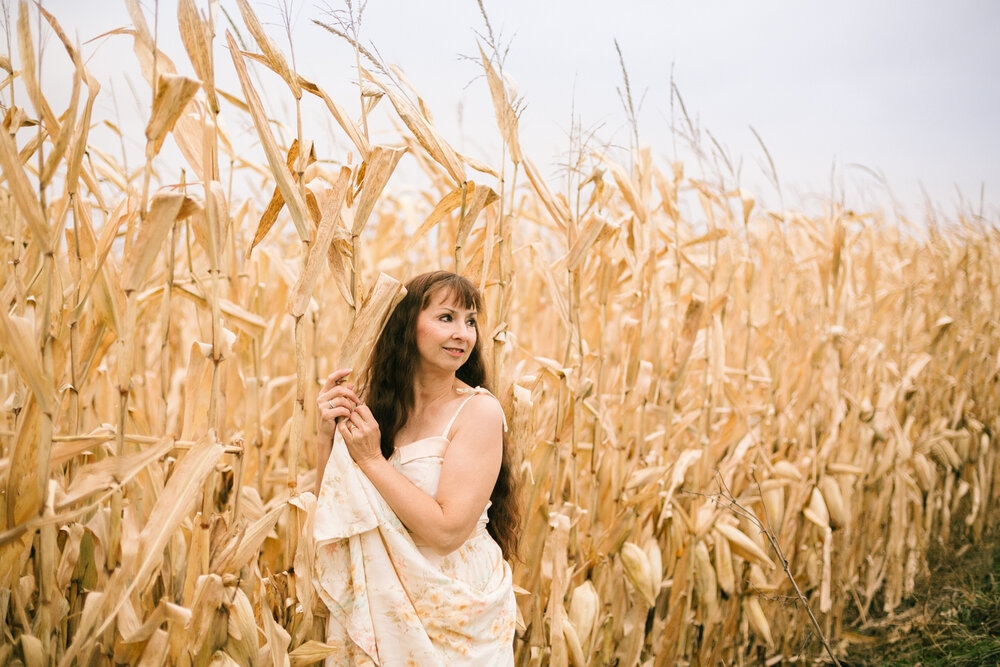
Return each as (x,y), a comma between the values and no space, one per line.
(686,374)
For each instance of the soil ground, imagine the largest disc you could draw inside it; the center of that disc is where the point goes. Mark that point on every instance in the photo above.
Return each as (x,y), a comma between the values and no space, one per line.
(953,618)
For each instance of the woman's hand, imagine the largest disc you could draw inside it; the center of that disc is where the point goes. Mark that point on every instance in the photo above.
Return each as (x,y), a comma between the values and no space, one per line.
(362,436)
(335,401)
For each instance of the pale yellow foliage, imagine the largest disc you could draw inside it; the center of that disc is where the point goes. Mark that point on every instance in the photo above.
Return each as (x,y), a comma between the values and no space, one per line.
(652,336)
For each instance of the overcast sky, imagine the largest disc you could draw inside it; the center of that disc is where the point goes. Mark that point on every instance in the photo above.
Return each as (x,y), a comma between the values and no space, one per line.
(905,88)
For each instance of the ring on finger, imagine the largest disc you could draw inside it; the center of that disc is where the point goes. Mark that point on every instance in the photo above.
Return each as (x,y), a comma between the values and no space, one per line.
(330,403)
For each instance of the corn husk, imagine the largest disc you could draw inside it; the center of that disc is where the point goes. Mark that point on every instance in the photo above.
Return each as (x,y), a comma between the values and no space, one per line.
(664,346)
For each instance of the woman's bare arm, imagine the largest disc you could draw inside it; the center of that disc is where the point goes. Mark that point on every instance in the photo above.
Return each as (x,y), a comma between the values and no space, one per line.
(468,474)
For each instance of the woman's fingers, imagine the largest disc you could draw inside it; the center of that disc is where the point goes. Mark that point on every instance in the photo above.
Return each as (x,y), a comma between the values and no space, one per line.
(341,391)
(332,414)
(363,439)
(351,432)
(355,422)
(334,378)
(366,414)
(334,402)
(328,419)
(364,418)
(360,422)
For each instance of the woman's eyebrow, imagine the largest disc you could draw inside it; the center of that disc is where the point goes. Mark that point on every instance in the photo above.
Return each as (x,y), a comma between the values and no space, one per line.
(454,310)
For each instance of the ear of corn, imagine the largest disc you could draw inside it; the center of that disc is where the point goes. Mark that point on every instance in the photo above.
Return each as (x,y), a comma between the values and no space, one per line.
(163,333)
(584,612)
(742,545)
(573,643)
(758,621)
(706,583)
(817,511)
(724,572)
(639,572)
(834,501)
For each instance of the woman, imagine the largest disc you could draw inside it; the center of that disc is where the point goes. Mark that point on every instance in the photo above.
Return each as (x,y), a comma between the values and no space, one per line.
(416,509)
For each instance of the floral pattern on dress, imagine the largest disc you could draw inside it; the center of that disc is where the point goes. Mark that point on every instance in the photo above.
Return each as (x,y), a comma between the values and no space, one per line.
(393,602)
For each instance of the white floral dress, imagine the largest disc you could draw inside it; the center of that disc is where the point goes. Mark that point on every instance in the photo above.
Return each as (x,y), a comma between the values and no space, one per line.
(392,601)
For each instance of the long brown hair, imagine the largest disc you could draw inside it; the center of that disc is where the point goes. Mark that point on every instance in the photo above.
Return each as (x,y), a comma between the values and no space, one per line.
(389,383)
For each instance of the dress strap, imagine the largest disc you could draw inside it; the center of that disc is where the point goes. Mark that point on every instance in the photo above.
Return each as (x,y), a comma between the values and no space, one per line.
(471,392)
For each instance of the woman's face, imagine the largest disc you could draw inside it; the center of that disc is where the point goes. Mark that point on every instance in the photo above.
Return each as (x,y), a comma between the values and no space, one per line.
(446,333)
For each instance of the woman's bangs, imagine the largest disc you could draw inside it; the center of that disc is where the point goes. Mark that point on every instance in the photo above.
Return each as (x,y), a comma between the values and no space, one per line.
(458,290)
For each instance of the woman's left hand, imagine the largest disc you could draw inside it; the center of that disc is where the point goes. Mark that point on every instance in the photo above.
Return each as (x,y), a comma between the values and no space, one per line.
(362,436)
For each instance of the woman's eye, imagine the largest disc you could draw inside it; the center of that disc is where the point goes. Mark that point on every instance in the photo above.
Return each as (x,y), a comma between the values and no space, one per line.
(471,323)
(446,318)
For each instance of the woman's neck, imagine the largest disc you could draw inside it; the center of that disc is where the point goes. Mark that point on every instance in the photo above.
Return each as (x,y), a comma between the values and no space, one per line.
(430,390)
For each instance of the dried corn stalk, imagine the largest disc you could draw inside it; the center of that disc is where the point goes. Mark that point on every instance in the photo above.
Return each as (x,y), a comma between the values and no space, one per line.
(648,327)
